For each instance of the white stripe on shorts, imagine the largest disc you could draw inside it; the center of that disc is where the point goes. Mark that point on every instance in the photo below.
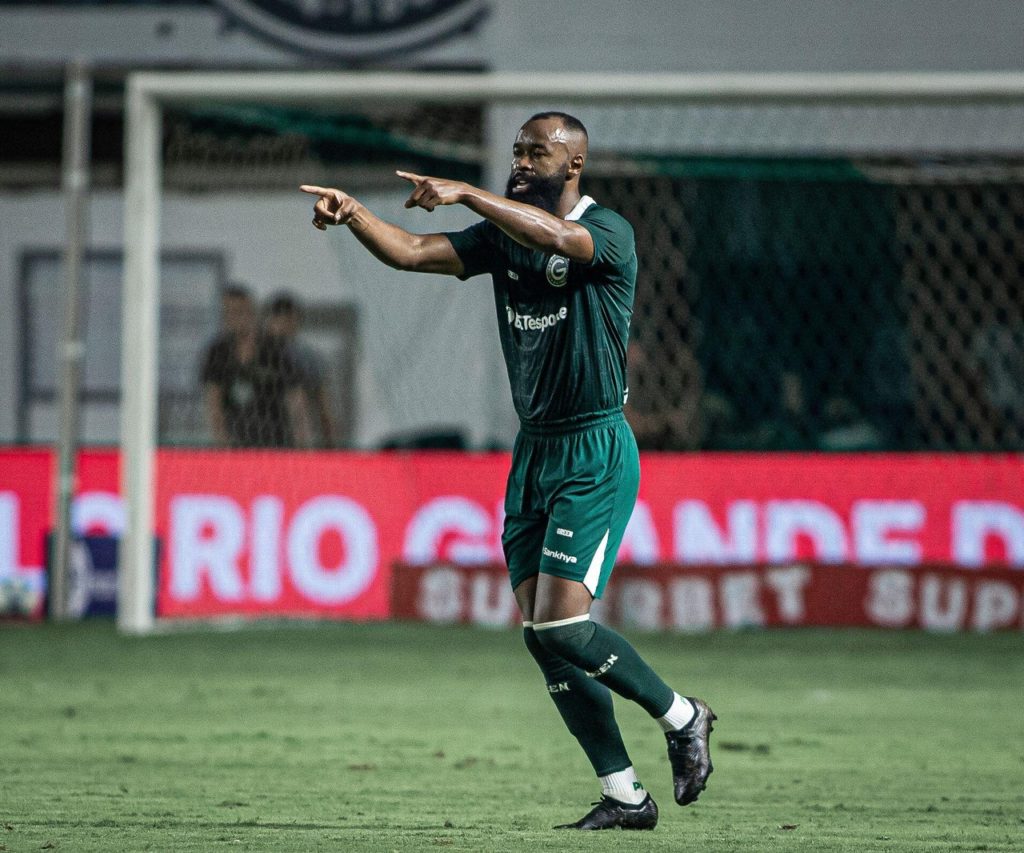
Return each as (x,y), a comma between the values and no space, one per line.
(593,574)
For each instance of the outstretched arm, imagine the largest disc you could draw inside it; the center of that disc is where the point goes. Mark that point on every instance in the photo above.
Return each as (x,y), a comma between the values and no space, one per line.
(395,246)
(527,225)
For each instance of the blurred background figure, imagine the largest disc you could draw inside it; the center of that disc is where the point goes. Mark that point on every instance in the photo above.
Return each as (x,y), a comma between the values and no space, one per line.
(252,386)
(845,428)
(665,415)
(283,324)
(792,426)
(995,361)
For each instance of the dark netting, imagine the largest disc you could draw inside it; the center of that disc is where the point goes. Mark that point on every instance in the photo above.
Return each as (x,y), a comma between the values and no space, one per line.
(870,296)
(221,146)
(828,305)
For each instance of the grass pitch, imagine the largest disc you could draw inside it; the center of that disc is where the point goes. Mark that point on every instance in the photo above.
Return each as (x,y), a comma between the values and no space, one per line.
(408,737)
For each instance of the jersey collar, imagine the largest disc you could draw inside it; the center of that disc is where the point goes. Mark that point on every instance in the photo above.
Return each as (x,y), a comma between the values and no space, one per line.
(579,209)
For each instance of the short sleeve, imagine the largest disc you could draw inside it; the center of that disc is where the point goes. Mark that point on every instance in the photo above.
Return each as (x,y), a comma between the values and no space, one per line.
(475,247)
(614,245)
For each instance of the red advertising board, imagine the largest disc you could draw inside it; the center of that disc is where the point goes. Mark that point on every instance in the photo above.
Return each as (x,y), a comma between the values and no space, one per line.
(691,598)
(317,534)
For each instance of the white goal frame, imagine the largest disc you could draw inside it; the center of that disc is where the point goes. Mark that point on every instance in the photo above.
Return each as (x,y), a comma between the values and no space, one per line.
(148,93)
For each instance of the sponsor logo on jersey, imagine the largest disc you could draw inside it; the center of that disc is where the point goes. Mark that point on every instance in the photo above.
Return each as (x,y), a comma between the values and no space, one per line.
(354,30)
(513,275)
(564,531)
(558,555)
(557,271)
(535,322)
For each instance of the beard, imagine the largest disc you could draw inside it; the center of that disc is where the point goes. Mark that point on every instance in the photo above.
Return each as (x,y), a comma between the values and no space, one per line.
(541,192)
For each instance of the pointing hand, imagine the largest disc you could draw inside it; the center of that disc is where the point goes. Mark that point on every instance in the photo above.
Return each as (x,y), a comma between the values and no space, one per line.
(431,192)
(332,208)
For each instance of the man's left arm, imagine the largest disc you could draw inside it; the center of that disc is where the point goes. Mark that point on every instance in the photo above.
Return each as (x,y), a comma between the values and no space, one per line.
(527,225)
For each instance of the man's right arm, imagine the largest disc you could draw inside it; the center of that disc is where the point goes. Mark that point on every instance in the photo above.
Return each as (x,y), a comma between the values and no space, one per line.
(394,246)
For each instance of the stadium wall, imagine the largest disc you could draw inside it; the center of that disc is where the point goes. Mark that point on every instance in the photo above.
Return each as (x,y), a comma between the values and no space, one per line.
(319,534)
(599,35)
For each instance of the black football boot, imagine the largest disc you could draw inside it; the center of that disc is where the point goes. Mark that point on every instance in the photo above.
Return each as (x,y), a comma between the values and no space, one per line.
(611,814)
(689,754)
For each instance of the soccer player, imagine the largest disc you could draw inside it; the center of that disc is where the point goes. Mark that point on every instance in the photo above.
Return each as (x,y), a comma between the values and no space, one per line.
(564,273)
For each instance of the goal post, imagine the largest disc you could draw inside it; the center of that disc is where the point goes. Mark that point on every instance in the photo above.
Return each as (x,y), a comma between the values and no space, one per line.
(721,100)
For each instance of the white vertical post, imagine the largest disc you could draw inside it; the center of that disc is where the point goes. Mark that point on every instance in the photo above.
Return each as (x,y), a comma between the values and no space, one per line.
(75,186)
(140,335)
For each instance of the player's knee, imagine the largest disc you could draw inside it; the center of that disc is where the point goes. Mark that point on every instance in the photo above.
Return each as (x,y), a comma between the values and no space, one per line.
(556,669)
(567,641)
(534,645)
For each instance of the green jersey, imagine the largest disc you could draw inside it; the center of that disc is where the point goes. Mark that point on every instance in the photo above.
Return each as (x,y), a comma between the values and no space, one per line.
(564,325)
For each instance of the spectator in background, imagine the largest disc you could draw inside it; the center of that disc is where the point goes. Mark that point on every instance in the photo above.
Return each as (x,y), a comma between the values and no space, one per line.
(889,386)
(664,411)
(996,366)
(792,426)
(846,429)
(669,406)
(284,319)
(252,387)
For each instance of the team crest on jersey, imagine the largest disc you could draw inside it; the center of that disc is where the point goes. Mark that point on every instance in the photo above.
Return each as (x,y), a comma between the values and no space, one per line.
(557,271)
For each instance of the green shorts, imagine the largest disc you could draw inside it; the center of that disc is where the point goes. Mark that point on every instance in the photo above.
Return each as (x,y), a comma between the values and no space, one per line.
(570,495)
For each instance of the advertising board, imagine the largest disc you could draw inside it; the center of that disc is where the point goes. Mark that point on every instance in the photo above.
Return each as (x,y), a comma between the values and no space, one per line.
(317,534)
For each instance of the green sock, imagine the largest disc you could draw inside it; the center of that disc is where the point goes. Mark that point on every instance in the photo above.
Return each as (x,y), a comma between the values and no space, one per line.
(585,706)
(609,658)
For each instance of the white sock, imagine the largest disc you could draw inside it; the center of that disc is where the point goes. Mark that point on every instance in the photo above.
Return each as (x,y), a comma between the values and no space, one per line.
(677,716)
(624,787)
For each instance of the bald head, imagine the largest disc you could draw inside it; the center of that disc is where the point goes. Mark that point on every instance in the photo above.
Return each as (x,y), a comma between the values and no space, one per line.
(564,129)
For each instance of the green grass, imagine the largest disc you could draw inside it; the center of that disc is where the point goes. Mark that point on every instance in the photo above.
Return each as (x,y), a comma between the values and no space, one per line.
(408,737)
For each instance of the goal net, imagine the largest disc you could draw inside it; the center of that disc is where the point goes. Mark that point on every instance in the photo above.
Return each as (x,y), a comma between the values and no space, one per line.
(828,262)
